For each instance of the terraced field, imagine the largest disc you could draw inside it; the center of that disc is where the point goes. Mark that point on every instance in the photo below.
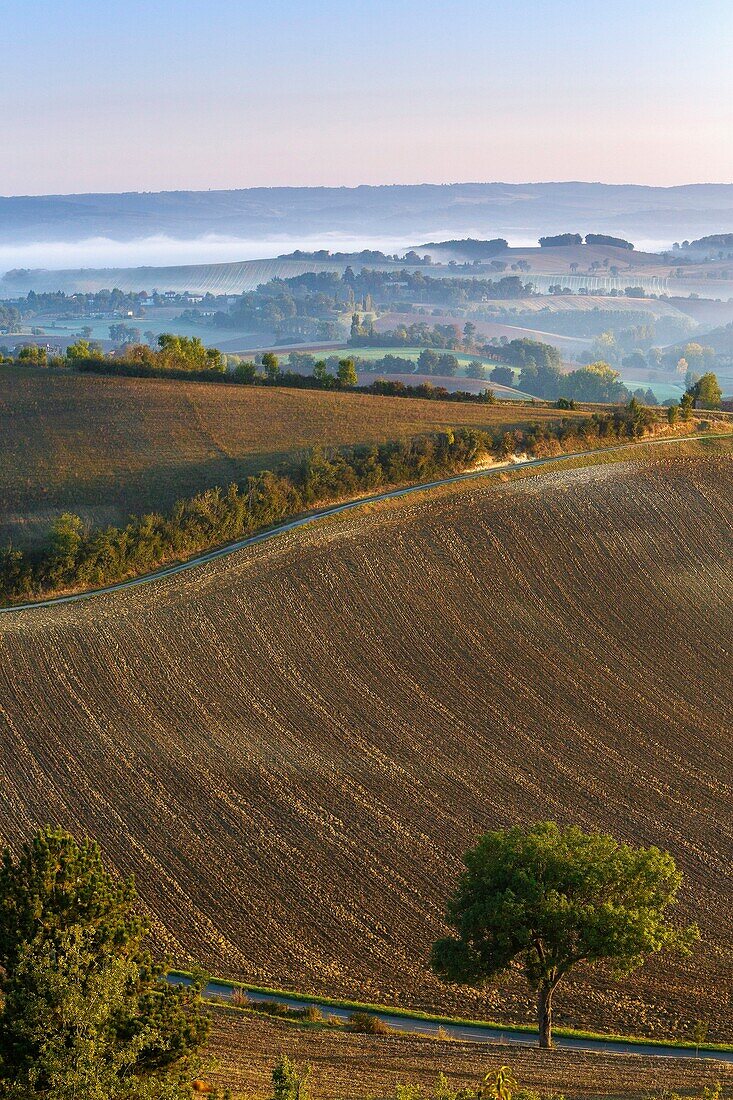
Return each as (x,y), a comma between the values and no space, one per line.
(292,746)
(105,447)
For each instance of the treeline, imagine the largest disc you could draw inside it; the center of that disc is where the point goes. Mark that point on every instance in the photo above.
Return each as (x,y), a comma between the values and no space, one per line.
(313,304)
(562,239)
(596,382)
(174,356)
(540,373)
(330,374)
(76,557)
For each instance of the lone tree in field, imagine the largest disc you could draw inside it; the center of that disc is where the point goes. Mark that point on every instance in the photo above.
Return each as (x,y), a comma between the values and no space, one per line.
(706,392)
(84,1011)
(547,898)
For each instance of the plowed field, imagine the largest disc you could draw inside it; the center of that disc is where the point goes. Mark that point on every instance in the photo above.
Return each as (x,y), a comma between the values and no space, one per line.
(367,1066)
(291,747)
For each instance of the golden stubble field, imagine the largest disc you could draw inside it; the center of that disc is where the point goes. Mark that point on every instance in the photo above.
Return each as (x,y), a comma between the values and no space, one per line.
(106,447)
(291,747)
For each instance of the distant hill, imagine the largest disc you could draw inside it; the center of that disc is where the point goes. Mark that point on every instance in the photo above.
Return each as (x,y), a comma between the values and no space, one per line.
(426,211)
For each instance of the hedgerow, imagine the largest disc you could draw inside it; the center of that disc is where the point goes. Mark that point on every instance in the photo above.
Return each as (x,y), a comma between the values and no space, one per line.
(78,557)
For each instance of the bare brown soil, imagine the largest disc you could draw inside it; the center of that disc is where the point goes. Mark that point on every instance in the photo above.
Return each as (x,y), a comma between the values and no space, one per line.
(107,447)
(353,1066)
(291,747)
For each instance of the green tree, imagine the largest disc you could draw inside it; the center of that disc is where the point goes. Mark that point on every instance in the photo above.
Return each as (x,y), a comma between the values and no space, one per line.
(550,898)
(469,333)
(290,1083)
(121,333)
(270,365)
(32,353)
(346,373)
(320,372)
(686,406)
(706,392)
(427,361)
(67,535)
(83,1009)
(503,376)
(245,372)
(185,353)
(82,349)
(476,369)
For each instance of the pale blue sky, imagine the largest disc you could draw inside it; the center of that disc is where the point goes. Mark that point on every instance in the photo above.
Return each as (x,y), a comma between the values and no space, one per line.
(162,94)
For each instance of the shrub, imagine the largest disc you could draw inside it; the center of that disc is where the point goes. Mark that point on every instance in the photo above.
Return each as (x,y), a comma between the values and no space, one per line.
(289,1082)
(369,1024)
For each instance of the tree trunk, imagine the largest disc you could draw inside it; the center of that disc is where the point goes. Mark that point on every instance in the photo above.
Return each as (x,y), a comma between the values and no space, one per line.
(544,1015)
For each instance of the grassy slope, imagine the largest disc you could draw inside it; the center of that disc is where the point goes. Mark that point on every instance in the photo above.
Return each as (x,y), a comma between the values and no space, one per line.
(106,447)
(292,747)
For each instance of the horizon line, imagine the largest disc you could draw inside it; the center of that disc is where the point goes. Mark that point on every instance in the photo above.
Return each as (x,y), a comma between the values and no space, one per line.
(368,186)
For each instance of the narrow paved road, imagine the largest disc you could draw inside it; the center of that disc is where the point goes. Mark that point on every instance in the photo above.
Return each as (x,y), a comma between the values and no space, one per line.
(334,510)
(474,1033)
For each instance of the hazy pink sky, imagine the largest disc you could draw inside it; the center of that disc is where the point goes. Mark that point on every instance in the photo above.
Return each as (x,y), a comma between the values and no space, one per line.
(168,94)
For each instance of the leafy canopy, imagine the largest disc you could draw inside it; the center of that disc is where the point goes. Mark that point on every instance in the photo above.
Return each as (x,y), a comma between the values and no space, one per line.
(549,898)
(84,1011)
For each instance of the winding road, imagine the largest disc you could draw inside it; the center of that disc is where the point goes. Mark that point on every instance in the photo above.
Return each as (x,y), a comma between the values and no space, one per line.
(334,510)
(473,1033)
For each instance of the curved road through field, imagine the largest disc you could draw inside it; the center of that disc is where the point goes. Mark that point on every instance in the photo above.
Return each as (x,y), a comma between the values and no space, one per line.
(334,510)
(472,1033)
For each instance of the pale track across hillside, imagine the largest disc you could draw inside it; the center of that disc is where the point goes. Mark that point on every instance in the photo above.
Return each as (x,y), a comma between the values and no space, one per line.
(337,509)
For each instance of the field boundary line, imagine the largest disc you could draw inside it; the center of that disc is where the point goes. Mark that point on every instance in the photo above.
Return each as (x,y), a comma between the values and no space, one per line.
(337,509)
(684,1046)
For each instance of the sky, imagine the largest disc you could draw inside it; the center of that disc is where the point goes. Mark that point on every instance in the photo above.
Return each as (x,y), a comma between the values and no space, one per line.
(103,95)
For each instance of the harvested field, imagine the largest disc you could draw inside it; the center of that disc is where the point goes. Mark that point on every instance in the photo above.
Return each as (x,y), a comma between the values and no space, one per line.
(361,1066)
(106,447)
(291,747)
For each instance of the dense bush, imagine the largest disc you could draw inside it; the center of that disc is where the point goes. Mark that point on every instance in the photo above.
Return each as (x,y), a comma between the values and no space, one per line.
(603,238)
(560,240)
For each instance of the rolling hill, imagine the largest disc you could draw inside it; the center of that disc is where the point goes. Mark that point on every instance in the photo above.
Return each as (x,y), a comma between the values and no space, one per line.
(477,209)
(291,747)
(105,447)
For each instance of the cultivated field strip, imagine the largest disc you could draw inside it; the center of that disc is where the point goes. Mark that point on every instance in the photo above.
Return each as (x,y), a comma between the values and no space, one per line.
(370,1066)
(292,746)
(106,447)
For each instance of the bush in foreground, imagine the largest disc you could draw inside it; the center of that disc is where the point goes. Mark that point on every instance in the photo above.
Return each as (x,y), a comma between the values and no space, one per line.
(84,1011)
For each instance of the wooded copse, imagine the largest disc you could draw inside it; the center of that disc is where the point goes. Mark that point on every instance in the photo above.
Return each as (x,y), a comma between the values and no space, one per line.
(78,557)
